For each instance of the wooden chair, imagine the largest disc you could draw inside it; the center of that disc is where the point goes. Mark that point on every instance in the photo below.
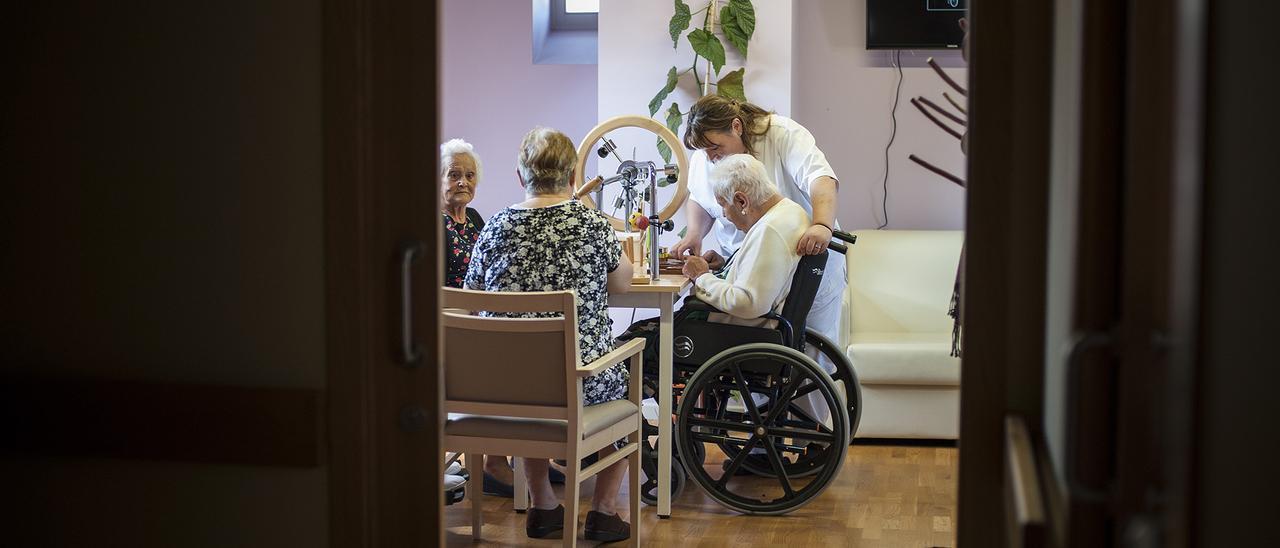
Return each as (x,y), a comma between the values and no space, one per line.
(513,386)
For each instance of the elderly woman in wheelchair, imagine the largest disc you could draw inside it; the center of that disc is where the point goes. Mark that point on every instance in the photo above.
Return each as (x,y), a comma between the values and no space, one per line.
(745,384)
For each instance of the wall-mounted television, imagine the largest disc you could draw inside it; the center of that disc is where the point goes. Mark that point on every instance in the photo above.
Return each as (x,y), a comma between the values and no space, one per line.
(914,24)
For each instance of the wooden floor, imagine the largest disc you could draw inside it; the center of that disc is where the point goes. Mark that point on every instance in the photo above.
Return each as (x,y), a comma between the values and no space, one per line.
(891,496)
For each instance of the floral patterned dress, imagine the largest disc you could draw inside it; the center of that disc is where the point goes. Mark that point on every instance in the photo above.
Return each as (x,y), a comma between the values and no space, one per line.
(459,238)
(564,246)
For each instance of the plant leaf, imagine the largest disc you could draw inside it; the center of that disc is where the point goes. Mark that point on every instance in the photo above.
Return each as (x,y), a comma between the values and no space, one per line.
(708,46)
(679,22)
(731,85)
(656,102)
(729,25)
(744,14)
(665,151)
(674,120)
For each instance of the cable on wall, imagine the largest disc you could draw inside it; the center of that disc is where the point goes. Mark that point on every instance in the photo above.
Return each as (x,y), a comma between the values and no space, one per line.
(893,115)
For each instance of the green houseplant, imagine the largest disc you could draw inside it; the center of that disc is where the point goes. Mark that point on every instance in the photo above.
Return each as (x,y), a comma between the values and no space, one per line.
(736,20)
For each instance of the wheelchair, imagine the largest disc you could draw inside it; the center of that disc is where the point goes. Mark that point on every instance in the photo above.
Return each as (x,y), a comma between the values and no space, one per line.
(782,422)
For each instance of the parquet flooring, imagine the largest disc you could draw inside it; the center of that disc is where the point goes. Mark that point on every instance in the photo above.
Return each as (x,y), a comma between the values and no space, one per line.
(885,496)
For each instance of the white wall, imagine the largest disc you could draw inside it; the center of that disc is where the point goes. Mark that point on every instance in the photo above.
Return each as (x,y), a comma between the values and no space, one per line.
(491,93)
(843,93)
(636,53)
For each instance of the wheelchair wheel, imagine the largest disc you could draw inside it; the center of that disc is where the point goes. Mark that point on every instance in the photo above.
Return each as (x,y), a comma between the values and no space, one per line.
(807,461)
(844,376)
(649,465)
(706,417)
(813,458)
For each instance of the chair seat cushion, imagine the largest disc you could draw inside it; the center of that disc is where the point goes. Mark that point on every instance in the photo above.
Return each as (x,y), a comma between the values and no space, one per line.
(595,418)
(904,358)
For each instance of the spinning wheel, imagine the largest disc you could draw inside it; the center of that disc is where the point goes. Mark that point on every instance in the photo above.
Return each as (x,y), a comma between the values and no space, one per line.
(633,173)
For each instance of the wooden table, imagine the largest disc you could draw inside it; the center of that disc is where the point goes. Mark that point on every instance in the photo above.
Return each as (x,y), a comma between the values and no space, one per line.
(659,294)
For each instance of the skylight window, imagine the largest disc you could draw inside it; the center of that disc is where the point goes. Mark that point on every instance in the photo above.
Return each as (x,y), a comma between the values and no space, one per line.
(582,6)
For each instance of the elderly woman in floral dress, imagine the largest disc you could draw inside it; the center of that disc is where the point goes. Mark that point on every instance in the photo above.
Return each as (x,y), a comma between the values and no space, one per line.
(551,242)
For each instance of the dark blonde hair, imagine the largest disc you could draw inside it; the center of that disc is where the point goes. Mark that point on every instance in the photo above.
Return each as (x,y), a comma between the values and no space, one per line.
(716,113)
(546,160)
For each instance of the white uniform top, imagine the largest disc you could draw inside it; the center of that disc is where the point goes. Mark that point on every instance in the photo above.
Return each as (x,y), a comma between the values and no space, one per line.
(793,161)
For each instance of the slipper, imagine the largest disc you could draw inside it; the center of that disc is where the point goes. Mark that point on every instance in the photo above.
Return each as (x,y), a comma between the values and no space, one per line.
(495,487)
(556,476)
(741,471)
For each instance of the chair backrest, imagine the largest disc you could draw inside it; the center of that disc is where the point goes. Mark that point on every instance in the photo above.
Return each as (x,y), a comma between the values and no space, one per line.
(510,361)
(900,281)
(804,289)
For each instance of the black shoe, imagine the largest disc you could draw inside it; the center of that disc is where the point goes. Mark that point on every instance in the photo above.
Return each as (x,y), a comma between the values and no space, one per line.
(556,476)
(545,523)
(494,486)
(606,527)
(741,471)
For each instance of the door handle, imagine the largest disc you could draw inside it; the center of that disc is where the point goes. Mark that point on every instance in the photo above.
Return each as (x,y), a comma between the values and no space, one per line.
(410,350)
(1081,344)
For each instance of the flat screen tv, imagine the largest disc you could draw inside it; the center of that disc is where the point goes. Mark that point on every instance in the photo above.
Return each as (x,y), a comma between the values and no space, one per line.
(914,24)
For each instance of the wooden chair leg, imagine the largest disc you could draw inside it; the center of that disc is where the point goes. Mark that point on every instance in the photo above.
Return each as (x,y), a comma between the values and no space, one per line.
(633,492)
(475,490)
(571,479)
(521,486)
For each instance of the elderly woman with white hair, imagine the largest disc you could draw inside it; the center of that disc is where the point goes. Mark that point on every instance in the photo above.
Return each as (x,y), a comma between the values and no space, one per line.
(459,176)
(758,277)
(551,242)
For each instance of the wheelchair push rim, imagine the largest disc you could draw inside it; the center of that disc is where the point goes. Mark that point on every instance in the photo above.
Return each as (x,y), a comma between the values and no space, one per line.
(779,372)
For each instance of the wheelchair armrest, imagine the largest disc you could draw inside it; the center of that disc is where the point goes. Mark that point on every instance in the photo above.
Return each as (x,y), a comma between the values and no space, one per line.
(788,333)
(628,349)
(694,304)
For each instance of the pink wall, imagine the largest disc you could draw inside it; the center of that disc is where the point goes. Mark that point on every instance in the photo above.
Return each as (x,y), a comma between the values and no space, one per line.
(491,93)
(843,93)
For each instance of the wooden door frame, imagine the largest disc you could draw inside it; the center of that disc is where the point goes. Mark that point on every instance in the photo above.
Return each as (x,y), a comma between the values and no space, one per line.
(1010,55)
(380,138)
(1160,336)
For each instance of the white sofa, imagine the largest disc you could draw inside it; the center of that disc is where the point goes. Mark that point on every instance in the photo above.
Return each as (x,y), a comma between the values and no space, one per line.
(898,334)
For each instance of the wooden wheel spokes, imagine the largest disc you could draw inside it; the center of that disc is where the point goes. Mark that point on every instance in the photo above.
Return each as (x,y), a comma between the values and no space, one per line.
(589,144)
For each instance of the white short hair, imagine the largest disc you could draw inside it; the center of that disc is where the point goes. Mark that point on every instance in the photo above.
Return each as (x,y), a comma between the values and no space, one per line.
(741,173)
(458,147)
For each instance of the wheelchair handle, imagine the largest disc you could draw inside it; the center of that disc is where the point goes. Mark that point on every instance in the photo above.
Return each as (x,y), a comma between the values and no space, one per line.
(842,235)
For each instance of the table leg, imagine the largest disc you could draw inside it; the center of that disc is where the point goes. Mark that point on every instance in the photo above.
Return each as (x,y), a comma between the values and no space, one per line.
(521,485)
(665,447)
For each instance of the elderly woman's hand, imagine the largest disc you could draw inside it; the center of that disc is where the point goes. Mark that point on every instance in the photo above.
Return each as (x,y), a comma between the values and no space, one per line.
(695,266)
(714,260)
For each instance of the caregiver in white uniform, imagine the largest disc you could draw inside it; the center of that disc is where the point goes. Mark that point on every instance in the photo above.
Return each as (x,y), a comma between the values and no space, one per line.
(719,127)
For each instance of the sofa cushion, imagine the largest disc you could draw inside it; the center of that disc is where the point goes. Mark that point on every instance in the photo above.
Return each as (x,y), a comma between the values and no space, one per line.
(904,358)
(595,418)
